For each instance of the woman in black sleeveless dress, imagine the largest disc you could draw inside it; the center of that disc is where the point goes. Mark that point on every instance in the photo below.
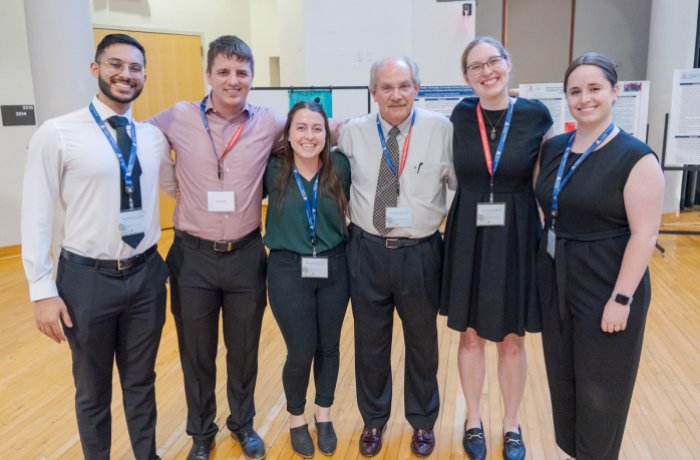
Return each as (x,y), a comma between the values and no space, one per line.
(600,232)
(489,290)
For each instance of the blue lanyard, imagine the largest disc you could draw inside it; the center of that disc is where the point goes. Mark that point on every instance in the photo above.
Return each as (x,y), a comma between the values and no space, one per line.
(562,180)
(127,170)
(311,208)
(385,149)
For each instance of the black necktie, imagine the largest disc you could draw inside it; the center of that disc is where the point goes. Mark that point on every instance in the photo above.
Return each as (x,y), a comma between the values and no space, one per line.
(124,143)
(387,195)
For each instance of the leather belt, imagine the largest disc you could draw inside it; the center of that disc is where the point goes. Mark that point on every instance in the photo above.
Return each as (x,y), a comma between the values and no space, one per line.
(389,242)
(121,265)
(221,246)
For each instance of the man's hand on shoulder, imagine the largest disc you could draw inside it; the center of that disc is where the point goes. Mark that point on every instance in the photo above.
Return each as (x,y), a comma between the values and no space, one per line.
(47,314)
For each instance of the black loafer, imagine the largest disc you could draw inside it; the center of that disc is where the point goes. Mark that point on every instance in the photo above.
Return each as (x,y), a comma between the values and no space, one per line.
(302,443)
(251,443)
(200,449)
(327,439)
(474,442)
(513,445)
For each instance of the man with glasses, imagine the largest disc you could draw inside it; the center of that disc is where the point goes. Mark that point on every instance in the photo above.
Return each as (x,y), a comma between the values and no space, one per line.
(217,260)
(108,300)
(401,162)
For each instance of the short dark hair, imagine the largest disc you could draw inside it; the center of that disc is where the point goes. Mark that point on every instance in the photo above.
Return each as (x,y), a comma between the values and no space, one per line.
(117,39)
(230,46)
(604,63)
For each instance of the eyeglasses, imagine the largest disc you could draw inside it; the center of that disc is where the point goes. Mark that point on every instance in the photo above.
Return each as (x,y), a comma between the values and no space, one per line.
(493,63)
(404,88)
(117,66)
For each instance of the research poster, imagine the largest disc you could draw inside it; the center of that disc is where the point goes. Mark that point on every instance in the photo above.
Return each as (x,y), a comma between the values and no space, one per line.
(683,137)
(630,112)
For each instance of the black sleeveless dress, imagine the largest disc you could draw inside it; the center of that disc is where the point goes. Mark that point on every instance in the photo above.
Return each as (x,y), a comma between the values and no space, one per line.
(488,280)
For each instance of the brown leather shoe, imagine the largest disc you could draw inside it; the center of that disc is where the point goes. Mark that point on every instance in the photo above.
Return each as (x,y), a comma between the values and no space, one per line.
(423,442)
(371,441)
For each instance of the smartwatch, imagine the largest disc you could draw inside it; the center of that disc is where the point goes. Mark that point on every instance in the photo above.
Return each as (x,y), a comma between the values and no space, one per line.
(623,299)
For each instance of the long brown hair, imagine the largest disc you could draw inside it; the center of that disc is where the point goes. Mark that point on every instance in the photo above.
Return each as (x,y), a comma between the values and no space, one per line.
(330,183)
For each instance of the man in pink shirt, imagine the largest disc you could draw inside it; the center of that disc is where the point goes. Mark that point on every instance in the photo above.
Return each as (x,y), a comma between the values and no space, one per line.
(217,260)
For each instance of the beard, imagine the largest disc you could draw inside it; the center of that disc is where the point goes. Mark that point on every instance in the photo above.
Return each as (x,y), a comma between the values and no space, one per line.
(105,89)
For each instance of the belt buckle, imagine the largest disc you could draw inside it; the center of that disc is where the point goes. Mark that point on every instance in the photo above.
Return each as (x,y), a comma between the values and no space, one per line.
(125,264)
(222,246)
(392,243)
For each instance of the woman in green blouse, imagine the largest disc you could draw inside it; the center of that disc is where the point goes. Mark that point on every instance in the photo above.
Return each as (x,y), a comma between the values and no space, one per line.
(308,288)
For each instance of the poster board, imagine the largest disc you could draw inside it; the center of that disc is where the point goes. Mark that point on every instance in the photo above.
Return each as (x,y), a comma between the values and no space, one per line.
(683,136)
(630,112)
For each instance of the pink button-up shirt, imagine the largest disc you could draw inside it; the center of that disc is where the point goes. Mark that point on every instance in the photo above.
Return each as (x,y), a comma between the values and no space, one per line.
(195,166)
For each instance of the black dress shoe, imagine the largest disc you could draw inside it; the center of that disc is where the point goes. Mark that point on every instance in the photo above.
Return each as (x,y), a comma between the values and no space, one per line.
(200,450)
(327,439)
(474,442)
(371,441)
(513,445)
(423,442)
(302,443)
(252,444)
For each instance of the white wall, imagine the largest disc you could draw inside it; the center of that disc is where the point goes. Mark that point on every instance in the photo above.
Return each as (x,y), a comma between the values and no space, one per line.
(211,18)
(343,38)
(16,89)
(671,46)
(265,37)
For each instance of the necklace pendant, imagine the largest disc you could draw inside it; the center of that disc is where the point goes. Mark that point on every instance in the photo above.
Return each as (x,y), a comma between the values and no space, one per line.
(493,133)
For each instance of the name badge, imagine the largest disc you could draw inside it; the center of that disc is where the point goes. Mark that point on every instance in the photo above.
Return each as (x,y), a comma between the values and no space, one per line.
(399,217)
(490,214)
(314,267)
(132,222)
(221,201)
(551,242)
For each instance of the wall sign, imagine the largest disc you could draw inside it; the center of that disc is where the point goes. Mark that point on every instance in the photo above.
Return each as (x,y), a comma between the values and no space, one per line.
(17,115)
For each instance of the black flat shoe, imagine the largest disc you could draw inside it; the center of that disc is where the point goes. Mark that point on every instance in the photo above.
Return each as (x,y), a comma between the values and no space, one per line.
(327,439)
(474,442)
(301,441)
(513,445)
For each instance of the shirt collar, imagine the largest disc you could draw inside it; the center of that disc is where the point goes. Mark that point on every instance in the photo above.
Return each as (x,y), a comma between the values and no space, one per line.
(404,126)
(106,112)
(247,108)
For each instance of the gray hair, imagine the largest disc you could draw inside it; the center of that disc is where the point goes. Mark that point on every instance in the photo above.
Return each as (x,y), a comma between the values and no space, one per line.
(415,74)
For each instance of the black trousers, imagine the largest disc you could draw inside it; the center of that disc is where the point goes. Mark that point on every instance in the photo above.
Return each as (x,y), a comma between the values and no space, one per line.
(205,285)
(591,373)
(115,315)
(408,279)
(310,313)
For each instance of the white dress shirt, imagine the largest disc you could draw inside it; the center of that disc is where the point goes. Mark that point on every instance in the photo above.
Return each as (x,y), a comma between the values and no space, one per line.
(70,160)
(429,169)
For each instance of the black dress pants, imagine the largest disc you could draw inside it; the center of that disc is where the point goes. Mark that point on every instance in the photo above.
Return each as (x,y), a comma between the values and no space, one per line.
(310,313)
(591,373)
(205,285)
(115,314)
(409,279)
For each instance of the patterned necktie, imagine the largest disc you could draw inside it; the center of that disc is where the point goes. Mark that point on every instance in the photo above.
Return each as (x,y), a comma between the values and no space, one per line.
(124,142)
(387,195)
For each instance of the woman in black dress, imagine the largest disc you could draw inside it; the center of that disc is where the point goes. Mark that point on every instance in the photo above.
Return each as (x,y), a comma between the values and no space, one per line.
(488,289)
(601,191)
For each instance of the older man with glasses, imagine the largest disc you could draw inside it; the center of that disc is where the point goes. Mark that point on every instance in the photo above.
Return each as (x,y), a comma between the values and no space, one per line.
(401,163)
